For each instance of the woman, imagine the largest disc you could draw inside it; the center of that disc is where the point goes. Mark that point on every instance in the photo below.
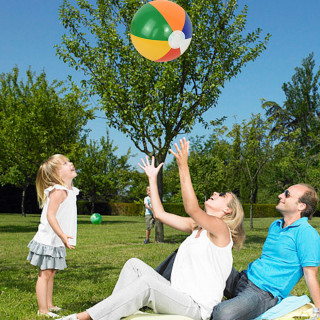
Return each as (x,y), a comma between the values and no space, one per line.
(203,262)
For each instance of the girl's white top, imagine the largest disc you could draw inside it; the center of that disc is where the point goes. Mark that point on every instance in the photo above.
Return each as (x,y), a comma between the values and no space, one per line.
(66,216)
(201,270)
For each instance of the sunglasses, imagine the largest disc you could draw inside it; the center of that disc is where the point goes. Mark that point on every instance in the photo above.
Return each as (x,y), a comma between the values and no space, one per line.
(287,194)
(222,194)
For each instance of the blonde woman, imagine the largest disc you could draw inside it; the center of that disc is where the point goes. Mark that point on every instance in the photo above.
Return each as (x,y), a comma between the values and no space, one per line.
(203,262)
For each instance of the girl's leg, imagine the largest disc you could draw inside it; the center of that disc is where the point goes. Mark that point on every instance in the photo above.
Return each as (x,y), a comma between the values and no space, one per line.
(42,289)
(139,285)
(50,289)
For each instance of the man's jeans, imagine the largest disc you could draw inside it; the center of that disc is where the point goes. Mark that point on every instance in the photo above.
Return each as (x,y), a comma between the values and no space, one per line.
(245,300)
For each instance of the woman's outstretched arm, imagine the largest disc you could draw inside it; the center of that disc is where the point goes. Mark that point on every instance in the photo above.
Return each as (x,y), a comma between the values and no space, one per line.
(180,223)
(215,225)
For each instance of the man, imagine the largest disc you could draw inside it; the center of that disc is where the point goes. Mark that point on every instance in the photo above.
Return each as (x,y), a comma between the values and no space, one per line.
(291,250)
(148,216)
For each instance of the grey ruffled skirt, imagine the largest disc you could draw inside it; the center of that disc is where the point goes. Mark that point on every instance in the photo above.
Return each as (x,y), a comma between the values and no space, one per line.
(47,257)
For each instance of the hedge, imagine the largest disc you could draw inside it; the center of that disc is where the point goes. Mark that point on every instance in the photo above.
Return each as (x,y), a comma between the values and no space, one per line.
(261,210)
(111,209)
(133,209)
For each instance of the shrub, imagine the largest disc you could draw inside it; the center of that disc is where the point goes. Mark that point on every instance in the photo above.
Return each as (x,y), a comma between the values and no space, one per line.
(102,207)
(261,210)
(137,209)
(127,209)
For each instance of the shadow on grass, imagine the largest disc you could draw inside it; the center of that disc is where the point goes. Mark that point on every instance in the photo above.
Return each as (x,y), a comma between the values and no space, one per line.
(19,229)
(175,238)
(255,239)
(180,238)
(249,239)
(108,222)
(9,280)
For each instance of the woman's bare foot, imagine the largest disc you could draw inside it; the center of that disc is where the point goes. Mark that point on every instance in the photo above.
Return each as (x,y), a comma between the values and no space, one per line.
(84,316)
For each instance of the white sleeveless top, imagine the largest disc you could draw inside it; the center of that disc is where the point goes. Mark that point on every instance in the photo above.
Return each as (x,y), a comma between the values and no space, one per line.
(201,270)
(66,216)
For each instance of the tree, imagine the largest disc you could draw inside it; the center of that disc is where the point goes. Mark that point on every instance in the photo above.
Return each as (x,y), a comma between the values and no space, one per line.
(208,162)
(136,191)
(296,124)
(301,110)
(255,152)
(37,119)
(153,102)
(234,170)
(102,174)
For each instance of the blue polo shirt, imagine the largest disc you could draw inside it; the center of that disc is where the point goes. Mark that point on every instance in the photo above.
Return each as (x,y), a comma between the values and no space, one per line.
(285,252)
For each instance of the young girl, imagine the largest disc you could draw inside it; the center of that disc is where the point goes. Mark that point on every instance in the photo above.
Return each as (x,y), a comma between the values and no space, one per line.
(202,265)
(57,229)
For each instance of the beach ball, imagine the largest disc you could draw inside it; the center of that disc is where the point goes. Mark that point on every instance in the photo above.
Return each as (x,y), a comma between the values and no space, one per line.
(161,30)
(96,218)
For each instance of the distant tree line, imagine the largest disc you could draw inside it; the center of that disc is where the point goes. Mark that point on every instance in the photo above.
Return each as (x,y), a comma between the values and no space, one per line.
(256,159)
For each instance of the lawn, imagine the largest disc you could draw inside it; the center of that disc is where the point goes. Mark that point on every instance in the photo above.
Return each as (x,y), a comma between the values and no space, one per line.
(93,267)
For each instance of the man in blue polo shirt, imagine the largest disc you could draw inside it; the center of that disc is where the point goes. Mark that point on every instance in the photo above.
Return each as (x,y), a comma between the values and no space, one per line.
(291,250)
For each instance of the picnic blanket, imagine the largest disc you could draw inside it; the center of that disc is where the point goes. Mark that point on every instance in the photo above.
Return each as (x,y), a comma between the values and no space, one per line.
(151,316)
(287,309)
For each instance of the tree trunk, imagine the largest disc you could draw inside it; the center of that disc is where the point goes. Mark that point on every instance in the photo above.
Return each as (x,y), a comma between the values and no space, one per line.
(24,189)
(92,207)
(251,206)
(159,232)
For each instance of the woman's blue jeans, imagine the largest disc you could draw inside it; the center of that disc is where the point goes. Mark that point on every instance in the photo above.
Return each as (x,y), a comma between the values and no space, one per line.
(245,301)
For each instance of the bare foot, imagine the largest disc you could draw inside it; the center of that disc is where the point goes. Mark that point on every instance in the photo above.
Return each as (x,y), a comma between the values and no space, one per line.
(84,316)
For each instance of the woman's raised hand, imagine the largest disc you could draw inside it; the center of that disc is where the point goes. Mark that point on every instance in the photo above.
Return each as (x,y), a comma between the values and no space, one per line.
(181,154)
(149,168)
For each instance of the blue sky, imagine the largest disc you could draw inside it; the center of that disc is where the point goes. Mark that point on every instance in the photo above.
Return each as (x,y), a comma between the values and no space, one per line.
(29,30)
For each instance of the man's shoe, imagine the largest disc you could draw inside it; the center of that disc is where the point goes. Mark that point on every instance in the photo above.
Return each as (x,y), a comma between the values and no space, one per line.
(146,241)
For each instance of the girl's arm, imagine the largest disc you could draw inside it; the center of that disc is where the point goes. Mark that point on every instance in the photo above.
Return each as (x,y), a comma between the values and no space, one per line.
(56,198)
(180,223)
(214,225)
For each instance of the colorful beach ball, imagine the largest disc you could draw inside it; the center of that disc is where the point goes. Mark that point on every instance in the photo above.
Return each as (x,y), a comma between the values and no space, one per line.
(161,30)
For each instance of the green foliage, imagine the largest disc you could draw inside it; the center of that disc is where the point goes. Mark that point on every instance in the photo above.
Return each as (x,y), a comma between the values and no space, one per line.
(110,208)
(137,189)
(152,102)
(261,211)
(137,209)
(218,164)
(102,175)
(127,209)
(84,207)
(301,110)
(296,124)
(37,120)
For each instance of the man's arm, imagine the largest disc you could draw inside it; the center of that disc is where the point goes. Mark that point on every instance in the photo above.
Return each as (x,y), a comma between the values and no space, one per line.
(311,277)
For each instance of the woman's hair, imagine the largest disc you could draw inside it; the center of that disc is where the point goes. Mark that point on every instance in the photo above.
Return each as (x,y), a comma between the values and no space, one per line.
(48,176)
(234,221)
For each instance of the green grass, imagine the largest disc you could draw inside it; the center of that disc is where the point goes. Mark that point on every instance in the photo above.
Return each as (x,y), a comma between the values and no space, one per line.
(94,266)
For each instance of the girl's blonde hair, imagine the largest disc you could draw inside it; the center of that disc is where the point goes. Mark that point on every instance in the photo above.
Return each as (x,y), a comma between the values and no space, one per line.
(48,176)
(234,220)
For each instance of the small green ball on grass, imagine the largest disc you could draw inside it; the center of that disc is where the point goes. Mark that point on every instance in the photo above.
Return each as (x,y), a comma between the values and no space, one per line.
(96,218)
